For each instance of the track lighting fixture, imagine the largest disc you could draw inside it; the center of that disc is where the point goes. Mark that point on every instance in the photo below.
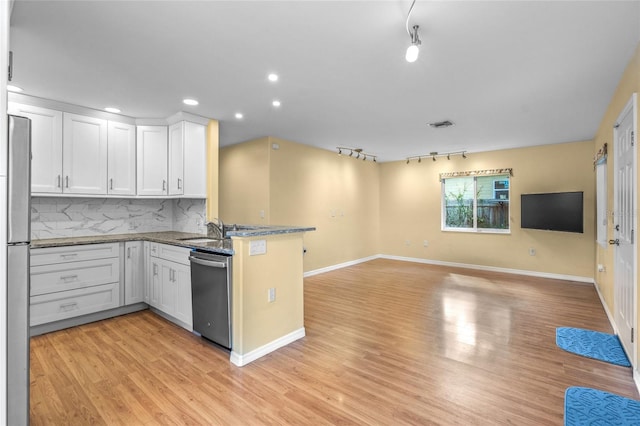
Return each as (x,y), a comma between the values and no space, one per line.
(413,50)
(359,153)
(433,155)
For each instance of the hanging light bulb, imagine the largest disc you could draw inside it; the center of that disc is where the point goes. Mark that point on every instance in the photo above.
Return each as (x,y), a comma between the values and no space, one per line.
(413,50)
(339,151)
(419,159)
(434,158)
(464,156)
(351,153)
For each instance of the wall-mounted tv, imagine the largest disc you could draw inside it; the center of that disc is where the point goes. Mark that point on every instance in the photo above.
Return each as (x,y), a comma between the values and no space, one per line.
(555,211)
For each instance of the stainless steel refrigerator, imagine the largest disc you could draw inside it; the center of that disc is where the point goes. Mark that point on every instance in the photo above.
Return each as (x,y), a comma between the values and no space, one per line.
(18,286)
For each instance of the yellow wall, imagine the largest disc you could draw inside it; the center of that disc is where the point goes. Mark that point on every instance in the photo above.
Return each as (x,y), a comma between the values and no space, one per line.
(410,211)
(300,185)
(629,83)
(256,321)
(244,182)
(336,194)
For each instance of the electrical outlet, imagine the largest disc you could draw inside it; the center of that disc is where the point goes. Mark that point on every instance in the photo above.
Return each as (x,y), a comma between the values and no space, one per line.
(425,243)
(271,295)
(532,251)
(601,268)
(407,242)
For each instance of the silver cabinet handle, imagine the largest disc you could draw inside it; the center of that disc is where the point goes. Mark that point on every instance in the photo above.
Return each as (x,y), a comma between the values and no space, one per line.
(164,185)
(179,183)
(68,306)
(111,183)
(129,253)
(173,275)
(155,269)
(59,181)
(66,181)
(69,277)
(65,255)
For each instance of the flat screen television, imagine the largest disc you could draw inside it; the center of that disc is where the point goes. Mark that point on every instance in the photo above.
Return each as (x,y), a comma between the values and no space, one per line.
(555,211)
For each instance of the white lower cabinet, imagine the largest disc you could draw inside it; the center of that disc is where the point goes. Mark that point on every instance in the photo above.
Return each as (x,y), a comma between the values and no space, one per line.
(70,281)
(170,282)
(134,275)
(72,303)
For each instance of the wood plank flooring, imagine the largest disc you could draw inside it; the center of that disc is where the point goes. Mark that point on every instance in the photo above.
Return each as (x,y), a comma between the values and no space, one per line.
(387,342)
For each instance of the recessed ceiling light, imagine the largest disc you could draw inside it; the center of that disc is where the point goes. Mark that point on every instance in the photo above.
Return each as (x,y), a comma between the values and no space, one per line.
(14,88)
(273,77)
(190,102)
(276,103)
(239,115)
(112,109)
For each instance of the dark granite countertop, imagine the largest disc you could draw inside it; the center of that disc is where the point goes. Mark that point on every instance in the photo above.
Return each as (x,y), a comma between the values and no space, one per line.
(224,246)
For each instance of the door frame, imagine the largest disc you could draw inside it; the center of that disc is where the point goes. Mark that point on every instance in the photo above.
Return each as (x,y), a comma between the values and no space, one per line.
(632,106)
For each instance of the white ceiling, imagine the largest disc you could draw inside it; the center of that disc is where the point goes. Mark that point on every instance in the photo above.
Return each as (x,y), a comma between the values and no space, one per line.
(509,74)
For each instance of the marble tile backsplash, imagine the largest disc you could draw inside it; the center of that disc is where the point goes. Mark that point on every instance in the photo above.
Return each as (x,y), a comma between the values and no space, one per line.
(53,217)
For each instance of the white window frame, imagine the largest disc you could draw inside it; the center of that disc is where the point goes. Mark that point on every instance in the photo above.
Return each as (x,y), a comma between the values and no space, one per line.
(475,229)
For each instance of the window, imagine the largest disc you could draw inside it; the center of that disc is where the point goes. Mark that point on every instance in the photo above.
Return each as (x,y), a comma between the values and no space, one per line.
(476,203)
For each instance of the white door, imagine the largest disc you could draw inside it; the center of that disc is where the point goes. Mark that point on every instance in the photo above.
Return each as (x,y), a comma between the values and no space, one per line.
(84,155)
(624,223)
(121,162)
(176,159)
(46,147)
(152,160)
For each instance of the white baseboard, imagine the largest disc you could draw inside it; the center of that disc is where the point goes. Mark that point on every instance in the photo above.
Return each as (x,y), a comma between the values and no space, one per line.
(242,360)
(340,266)
(606,309)
(564,277)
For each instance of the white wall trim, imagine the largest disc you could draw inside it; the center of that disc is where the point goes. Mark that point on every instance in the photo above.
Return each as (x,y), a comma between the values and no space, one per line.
(242,360)
(564,277)
(606,309)
(340,266)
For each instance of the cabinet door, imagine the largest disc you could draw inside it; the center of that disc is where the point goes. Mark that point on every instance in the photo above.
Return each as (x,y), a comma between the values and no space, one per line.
(152,160)
(46,147)
(84,155)
(195,160)
(182,276)
(154,282)
(147,272)
(168,288)
(133,272)
(121,162)
(176,159)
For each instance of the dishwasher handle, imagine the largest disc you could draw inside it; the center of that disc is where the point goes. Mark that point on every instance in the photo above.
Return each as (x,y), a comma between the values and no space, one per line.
(203,262)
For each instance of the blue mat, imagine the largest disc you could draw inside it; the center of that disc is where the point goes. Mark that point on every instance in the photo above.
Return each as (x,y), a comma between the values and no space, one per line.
(592,344)
(584,406)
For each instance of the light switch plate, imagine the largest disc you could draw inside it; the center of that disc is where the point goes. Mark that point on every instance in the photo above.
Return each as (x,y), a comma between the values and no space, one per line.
(257,247)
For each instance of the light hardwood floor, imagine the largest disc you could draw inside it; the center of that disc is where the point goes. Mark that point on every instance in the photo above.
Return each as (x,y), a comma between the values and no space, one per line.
(387,342)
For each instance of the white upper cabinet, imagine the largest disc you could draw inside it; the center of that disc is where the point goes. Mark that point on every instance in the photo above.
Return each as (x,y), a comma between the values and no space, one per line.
(195,160)
(84,154)
(121,163)
(152,160)
(46,146)
(176,158)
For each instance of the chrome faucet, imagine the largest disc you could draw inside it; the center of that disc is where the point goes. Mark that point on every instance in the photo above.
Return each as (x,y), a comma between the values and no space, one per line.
(216,229)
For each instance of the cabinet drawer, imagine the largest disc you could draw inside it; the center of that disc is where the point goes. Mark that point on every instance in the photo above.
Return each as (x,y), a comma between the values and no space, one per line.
(68,276)
(68,304)
(51,255)
(172,253)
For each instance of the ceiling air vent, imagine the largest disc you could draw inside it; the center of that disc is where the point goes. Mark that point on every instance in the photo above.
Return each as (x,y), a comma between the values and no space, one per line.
(441,124)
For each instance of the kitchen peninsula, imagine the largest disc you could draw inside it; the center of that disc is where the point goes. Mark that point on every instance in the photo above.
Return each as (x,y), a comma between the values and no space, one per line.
(267,280)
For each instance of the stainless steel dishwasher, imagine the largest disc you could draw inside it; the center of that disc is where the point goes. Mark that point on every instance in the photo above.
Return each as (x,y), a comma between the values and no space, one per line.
(211,296)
